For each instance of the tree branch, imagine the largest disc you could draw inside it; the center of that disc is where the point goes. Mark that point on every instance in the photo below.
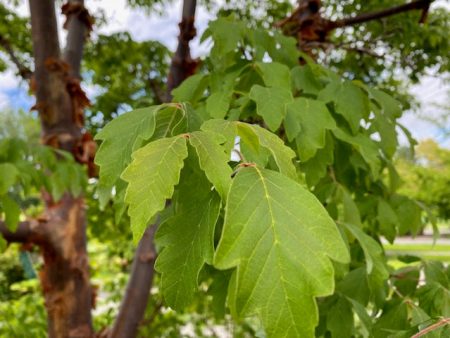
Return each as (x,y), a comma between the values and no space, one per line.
(24,71)
(182,65)
(78,24)
(136,296)
(442,322)
(418,4)
(27,232)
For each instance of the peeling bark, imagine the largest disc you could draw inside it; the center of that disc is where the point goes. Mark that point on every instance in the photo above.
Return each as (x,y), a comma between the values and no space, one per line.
(311,29)
(65,274)
(78,25)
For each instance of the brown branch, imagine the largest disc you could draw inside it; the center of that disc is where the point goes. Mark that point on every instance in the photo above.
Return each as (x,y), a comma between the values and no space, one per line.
(183,65)
(78,25)
(442,322)
(24,71)
(418,4)
(31,231)
(136,296)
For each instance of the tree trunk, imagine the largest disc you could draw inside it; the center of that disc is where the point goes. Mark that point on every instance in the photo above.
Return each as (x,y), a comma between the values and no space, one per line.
(65,274)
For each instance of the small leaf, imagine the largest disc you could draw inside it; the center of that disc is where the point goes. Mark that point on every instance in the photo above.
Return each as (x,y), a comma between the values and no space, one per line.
(275,75)
(313,120)
(281,239)
(372,250)
(151,176)
(187,237)
(213,160)
(225,128)
(11,210)
(351,102)
(218,103)
(365,146)
(190,89)
(271,104)
(387,219)
(8,177)
(305,80)
(282,154)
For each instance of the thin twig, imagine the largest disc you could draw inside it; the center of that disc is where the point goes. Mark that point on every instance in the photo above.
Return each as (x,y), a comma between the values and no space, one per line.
(442,322)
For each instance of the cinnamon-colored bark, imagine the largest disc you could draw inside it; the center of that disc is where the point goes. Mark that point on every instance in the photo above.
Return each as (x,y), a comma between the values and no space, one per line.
(311,28)
(65,274)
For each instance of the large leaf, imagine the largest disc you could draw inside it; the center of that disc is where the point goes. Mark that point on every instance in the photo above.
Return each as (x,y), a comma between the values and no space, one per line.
(271,104)
(213,159)
(151,177)
(307,121)
(120,137)
(281,240)
(187,237)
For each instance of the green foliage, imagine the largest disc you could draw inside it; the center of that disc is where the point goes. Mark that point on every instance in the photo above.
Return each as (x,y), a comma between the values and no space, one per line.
(426,177)
(274,183)
(26,168)
(281,246)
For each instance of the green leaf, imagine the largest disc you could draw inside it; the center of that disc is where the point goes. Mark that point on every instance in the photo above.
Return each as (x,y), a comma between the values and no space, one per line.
(388,134)
(225,128)
(8,177)
(316,167)
(275,75)
(120,137)
(355,285)
(282,154)
(190,89)
(151,176)
(387,219)
(11,210)
(226,34)
(372,250)
(305,80)
(187,237)
(307,121)
(281,240)
(271,104)
(388,104)
(350,102)
(365,146)
(340,318)
(3,244)
(218,103)
(351,211)
(213,159)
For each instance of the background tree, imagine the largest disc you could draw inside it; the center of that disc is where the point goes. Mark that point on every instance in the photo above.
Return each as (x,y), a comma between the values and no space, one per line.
(339,162)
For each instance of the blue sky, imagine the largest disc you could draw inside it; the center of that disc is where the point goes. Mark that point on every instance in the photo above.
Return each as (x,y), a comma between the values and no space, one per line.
(431,91)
